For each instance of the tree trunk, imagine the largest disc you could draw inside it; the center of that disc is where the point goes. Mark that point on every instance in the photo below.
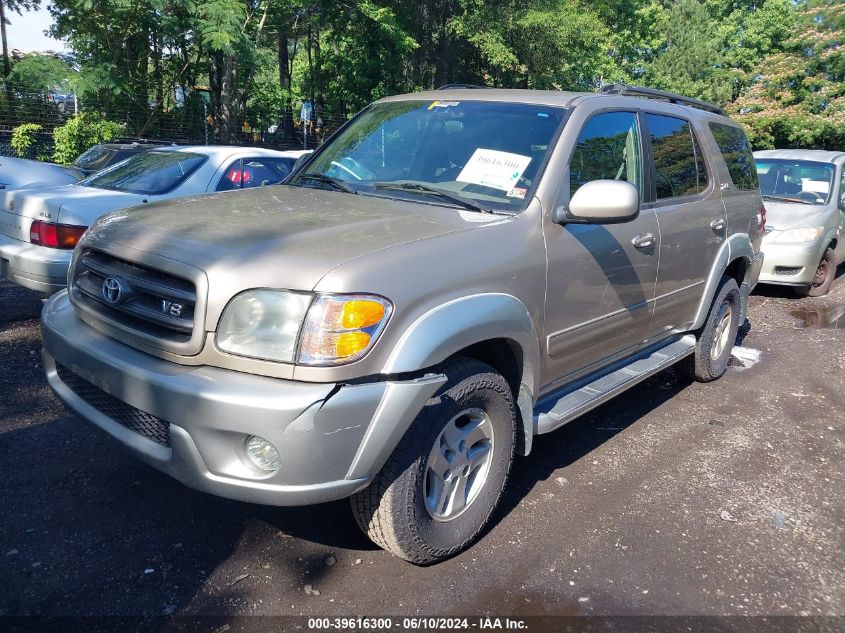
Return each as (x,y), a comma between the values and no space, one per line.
(6,68)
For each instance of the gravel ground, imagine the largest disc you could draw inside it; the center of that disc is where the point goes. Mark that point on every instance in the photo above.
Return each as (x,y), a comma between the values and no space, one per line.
(675,499)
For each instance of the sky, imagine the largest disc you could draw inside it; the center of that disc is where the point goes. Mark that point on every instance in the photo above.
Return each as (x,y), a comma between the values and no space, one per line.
(26,31)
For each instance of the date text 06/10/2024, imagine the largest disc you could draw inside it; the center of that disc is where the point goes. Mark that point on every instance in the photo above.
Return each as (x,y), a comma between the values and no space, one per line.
(416,624)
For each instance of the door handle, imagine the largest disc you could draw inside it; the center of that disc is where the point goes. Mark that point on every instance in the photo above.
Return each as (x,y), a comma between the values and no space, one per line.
(718,224)
(643,240)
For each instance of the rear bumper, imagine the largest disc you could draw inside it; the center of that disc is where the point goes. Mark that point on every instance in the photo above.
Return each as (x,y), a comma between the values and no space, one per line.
(34,267)
(331,438)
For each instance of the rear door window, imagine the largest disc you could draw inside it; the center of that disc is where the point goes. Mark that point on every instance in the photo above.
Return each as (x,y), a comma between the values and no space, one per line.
(679,167)
(737,154)
(608,149)
(245,173)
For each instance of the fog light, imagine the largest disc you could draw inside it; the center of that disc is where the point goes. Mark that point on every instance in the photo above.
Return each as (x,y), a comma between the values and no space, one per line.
(262,454)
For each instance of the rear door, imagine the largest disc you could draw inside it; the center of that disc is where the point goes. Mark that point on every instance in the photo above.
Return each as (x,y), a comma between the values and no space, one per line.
(690,214)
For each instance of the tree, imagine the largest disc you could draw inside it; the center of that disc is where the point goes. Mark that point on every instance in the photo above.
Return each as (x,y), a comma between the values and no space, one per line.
(18,6)
(692,61)
(36,72)
(797,96)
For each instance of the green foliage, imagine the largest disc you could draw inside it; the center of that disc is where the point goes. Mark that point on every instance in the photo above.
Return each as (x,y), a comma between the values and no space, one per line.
(25,139)
(692,62)
(81,132)
(39,73)
(797,95)
(778,64)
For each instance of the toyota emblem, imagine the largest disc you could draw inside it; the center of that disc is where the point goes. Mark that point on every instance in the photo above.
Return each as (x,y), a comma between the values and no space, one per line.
(112,290)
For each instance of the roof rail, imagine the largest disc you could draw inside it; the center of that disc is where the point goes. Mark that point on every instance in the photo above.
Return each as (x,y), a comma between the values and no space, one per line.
(461,87)
(671,97)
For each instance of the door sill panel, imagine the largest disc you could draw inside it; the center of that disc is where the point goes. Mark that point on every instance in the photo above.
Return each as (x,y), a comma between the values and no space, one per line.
(563,406)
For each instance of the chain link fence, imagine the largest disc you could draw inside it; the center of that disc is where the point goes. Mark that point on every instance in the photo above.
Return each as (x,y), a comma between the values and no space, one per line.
(184,120)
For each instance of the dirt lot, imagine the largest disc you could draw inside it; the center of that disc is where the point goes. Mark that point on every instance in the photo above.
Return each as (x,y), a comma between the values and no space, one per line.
(676,499)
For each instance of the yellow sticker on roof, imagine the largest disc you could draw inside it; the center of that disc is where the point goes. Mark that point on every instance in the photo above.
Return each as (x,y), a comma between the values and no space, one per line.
(443,104)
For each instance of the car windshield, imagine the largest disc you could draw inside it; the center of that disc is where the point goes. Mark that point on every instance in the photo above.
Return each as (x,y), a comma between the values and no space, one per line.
(148,173)
(799,181)
(473,154)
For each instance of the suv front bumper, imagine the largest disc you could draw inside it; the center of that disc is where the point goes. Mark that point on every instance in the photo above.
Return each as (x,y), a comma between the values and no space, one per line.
(332,438)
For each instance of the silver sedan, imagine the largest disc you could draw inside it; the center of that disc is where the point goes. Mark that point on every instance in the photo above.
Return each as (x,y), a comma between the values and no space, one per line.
(39,227)
(804,195)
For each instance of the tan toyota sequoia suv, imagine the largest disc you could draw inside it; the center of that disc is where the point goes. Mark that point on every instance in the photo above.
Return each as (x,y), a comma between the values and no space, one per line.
(452,274)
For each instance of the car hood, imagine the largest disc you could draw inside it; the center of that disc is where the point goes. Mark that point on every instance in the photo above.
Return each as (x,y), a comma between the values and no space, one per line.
(272,237)
(787,215)
(21,172)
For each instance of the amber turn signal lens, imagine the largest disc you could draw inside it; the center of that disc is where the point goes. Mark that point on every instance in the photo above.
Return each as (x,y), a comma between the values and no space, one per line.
(350,343)
(361,313)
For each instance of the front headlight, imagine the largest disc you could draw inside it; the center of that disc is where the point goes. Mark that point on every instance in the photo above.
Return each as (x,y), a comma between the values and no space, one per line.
(271,324)
(806,234)
(263,324)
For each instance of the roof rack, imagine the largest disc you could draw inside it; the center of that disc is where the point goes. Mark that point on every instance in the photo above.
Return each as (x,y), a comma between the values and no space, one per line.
(651,93)
(461,87)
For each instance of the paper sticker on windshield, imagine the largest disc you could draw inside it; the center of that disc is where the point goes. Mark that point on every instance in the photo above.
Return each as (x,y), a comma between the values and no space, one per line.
(517,192)
(443,104)
(492,168)
(816,186)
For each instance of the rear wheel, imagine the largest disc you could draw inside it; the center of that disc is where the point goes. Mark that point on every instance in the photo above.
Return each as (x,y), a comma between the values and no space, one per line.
(437,491)
(825,274)
(716,339)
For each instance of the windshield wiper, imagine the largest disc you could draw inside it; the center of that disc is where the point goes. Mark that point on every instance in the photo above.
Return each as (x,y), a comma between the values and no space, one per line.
(782,198)
(431,191)
(337,183)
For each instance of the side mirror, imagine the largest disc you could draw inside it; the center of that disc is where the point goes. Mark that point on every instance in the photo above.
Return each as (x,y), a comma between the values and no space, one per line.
(604,202)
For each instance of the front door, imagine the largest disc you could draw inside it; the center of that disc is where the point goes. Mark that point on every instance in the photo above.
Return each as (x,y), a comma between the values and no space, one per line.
(600,278)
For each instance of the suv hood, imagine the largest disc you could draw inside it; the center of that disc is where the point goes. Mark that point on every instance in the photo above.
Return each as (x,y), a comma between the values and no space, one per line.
(272,237)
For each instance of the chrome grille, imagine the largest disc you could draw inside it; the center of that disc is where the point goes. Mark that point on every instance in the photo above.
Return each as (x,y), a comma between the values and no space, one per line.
(134,419)
(150,301)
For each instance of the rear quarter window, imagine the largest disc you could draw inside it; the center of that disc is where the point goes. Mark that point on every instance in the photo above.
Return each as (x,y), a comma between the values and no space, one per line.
(736,151)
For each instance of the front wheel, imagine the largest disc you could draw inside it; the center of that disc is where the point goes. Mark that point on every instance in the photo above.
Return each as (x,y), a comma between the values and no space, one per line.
(437,491)
(823,280)
(716,339)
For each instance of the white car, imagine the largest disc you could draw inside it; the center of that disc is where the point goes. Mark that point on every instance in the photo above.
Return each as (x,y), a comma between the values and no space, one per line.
(39,227)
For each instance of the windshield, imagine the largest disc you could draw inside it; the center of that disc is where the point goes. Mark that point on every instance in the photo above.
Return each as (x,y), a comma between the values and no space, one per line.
(795,180)
(149,173)
(475,154)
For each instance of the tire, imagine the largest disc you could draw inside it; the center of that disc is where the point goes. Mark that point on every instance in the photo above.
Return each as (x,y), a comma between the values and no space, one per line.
(715,340)
(395,510)
(825,274)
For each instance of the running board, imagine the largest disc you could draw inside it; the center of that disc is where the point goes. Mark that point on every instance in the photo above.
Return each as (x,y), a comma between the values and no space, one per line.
(555,411)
